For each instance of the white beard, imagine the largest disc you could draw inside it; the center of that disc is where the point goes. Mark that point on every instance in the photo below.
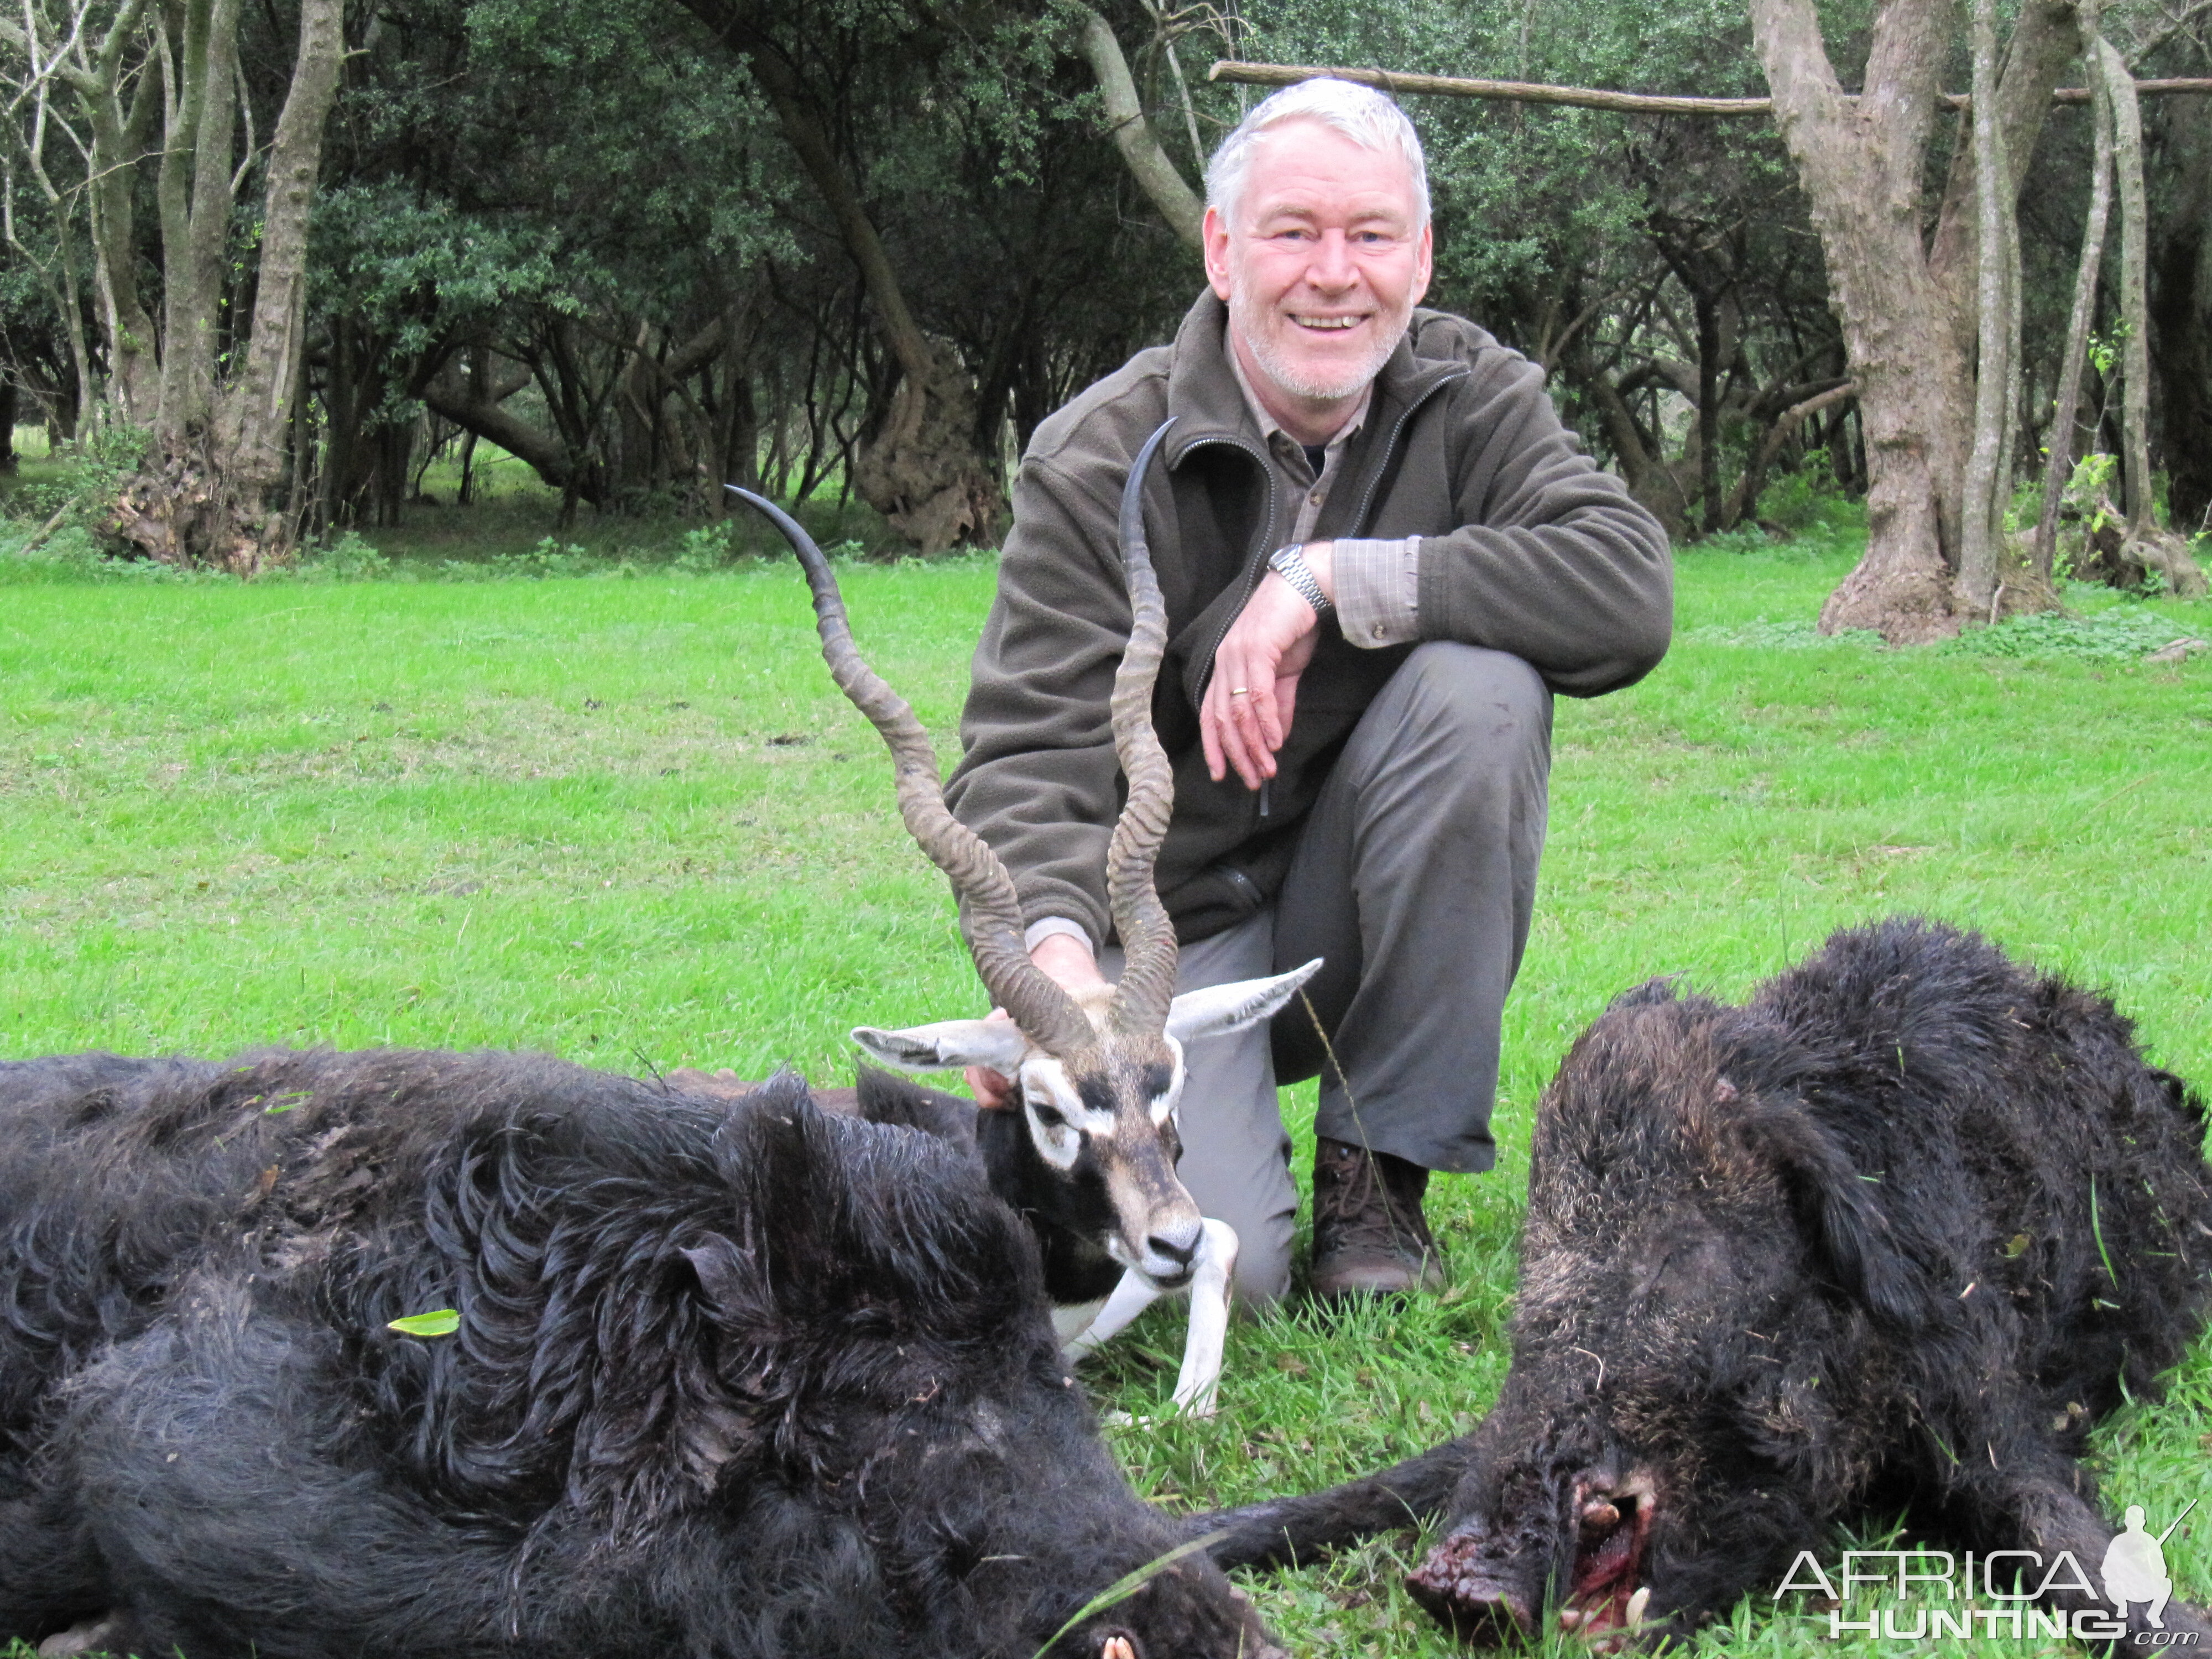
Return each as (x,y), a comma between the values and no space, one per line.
(1249,322)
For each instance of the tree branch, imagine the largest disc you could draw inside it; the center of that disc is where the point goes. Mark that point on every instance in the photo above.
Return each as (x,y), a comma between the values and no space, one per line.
(1132,134)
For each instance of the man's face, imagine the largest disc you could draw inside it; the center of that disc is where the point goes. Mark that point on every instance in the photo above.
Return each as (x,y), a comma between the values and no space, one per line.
(1324,266)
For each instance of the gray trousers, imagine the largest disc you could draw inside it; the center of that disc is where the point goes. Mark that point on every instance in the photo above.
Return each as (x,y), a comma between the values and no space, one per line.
(1413,881)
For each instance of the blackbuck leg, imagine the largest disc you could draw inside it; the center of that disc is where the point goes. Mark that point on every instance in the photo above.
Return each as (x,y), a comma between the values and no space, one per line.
(1108,1319)
(1209,1321)
(1213,1268)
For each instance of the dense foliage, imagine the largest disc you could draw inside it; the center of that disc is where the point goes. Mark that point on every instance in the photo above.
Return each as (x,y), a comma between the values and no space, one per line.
(585,234)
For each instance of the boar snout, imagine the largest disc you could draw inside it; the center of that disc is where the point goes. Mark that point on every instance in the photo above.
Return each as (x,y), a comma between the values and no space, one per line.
(1581,1553)
(1476,1589)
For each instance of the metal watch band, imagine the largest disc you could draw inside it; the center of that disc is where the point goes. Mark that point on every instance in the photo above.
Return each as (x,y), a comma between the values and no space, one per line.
(1290,563)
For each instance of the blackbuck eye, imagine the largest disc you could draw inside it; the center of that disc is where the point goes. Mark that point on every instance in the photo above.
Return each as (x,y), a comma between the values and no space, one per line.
(1051,1116)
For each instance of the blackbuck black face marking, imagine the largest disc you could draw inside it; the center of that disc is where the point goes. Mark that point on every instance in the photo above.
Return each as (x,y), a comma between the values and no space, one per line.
(1100,1078)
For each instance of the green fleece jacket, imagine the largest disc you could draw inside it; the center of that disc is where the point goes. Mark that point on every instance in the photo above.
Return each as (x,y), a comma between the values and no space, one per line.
(1527,546)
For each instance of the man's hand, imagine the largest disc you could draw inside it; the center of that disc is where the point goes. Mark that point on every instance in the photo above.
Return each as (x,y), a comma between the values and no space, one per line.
(1254,692)
(1067,961)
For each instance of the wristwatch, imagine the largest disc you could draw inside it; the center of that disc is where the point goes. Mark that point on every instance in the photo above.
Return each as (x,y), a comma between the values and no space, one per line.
(1290,563)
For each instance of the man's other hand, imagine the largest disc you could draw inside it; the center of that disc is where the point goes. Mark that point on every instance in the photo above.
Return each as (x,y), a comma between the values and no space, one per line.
(1250,700)
(1067,961)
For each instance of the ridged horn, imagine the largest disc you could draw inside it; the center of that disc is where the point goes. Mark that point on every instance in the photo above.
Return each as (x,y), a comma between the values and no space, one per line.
(1148,941)
(1047,1015)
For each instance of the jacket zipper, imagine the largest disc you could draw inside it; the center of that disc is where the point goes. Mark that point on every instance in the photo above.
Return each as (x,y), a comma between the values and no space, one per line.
(1254,563)
(1375,478)
(1255,558)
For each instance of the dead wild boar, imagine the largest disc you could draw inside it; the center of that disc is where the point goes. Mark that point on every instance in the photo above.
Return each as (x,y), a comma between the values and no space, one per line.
(1888,1238)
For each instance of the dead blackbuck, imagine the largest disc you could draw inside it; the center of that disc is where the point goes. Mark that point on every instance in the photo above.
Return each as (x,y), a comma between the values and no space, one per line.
(1089,1154)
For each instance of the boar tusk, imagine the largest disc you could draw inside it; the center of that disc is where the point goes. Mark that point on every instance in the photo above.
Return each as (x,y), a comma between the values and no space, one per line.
(1570,1618)
(1117,1647)
(1637,1603)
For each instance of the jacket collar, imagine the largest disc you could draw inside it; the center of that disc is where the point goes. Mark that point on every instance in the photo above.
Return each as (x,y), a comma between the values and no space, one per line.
(1209,407)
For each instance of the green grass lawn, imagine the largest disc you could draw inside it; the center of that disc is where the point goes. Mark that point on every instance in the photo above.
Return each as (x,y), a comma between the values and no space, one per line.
(629,821)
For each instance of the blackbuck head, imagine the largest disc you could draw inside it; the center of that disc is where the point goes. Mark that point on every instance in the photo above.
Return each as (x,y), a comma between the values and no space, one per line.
(1099,1078)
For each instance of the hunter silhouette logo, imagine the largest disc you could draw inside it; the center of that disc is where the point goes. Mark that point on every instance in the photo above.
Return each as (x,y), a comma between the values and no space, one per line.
(1922,1595)
(2135,1567)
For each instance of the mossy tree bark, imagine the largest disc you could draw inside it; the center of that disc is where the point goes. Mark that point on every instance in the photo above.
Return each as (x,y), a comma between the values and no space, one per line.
(207,492)
(1904,300)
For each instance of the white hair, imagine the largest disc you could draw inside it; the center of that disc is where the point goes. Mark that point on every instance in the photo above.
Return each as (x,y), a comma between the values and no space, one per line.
(1360,113)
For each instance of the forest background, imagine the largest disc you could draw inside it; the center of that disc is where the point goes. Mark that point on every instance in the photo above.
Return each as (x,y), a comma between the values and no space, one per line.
(268,262)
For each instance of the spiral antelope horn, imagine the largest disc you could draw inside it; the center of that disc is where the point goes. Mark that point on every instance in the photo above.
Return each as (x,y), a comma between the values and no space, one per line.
(1047,1015)
(1148,940)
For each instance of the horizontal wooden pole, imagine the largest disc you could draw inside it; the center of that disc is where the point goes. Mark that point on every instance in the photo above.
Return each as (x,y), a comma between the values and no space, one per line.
(1522,92)
(1626,103)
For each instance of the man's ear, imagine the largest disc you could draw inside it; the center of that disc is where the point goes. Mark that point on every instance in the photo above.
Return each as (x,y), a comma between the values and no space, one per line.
(1213,236)
(951,1045)
(1219,1010)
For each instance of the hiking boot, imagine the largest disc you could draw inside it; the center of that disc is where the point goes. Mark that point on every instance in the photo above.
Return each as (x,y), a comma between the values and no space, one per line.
(1369,1232)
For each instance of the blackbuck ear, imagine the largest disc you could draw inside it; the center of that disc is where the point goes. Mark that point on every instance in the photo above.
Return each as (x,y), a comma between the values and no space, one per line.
(1219,1010)
(951,1045)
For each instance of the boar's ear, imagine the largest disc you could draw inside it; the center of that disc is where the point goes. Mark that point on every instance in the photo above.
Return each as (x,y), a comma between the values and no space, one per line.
(1651,991)
(1836,1204)
(728,1280)
(884,1098)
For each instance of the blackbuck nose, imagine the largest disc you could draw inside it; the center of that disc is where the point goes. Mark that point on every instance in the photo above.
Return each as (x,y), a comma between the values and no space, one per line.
(1179,1246)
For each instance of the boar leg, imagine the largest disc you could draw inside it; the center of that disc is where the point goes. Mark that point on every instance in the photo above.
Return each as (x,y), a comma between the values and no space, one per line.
(1289,1531)
(2031,1504)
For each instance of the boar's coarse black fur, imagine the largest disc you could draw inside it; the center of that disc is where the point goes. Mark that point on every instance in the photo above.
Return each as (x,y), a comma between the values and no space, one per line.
(732,1378)
(1890,1237)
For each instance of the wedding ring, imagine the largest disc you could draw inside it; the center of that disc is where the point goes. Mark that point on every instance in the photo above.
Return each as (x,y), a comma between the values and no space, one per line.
(1240,690)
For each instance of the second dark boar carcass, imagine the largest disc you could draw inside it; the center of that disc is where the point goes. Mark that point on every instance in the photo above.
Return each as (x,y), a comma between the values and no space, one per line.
(1891,1236)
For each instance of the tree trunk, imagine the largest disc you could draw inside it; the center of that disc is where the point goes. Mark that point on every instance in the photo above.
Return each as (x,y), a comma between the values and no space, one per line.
(2135,319)
(1706,307)
(1132,134)
(1902,304)
(192,191)
(2148,542)
(207,492)
(1859,165)
(1982,520)
(1653,485)
(1745,501)
(120,138)
(920,467)
(469,395)
(2181,319)
(255,402)
(2059,466)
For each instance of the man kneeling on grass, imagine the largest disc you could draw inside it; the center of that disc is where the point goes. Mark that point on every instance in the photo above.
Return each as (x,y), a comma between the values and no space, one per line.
(1381,555)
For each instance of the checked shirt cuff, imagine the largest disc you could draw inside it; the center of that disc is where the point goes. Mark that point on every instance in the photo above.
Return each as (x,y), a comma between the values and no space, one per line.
(1378,588)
